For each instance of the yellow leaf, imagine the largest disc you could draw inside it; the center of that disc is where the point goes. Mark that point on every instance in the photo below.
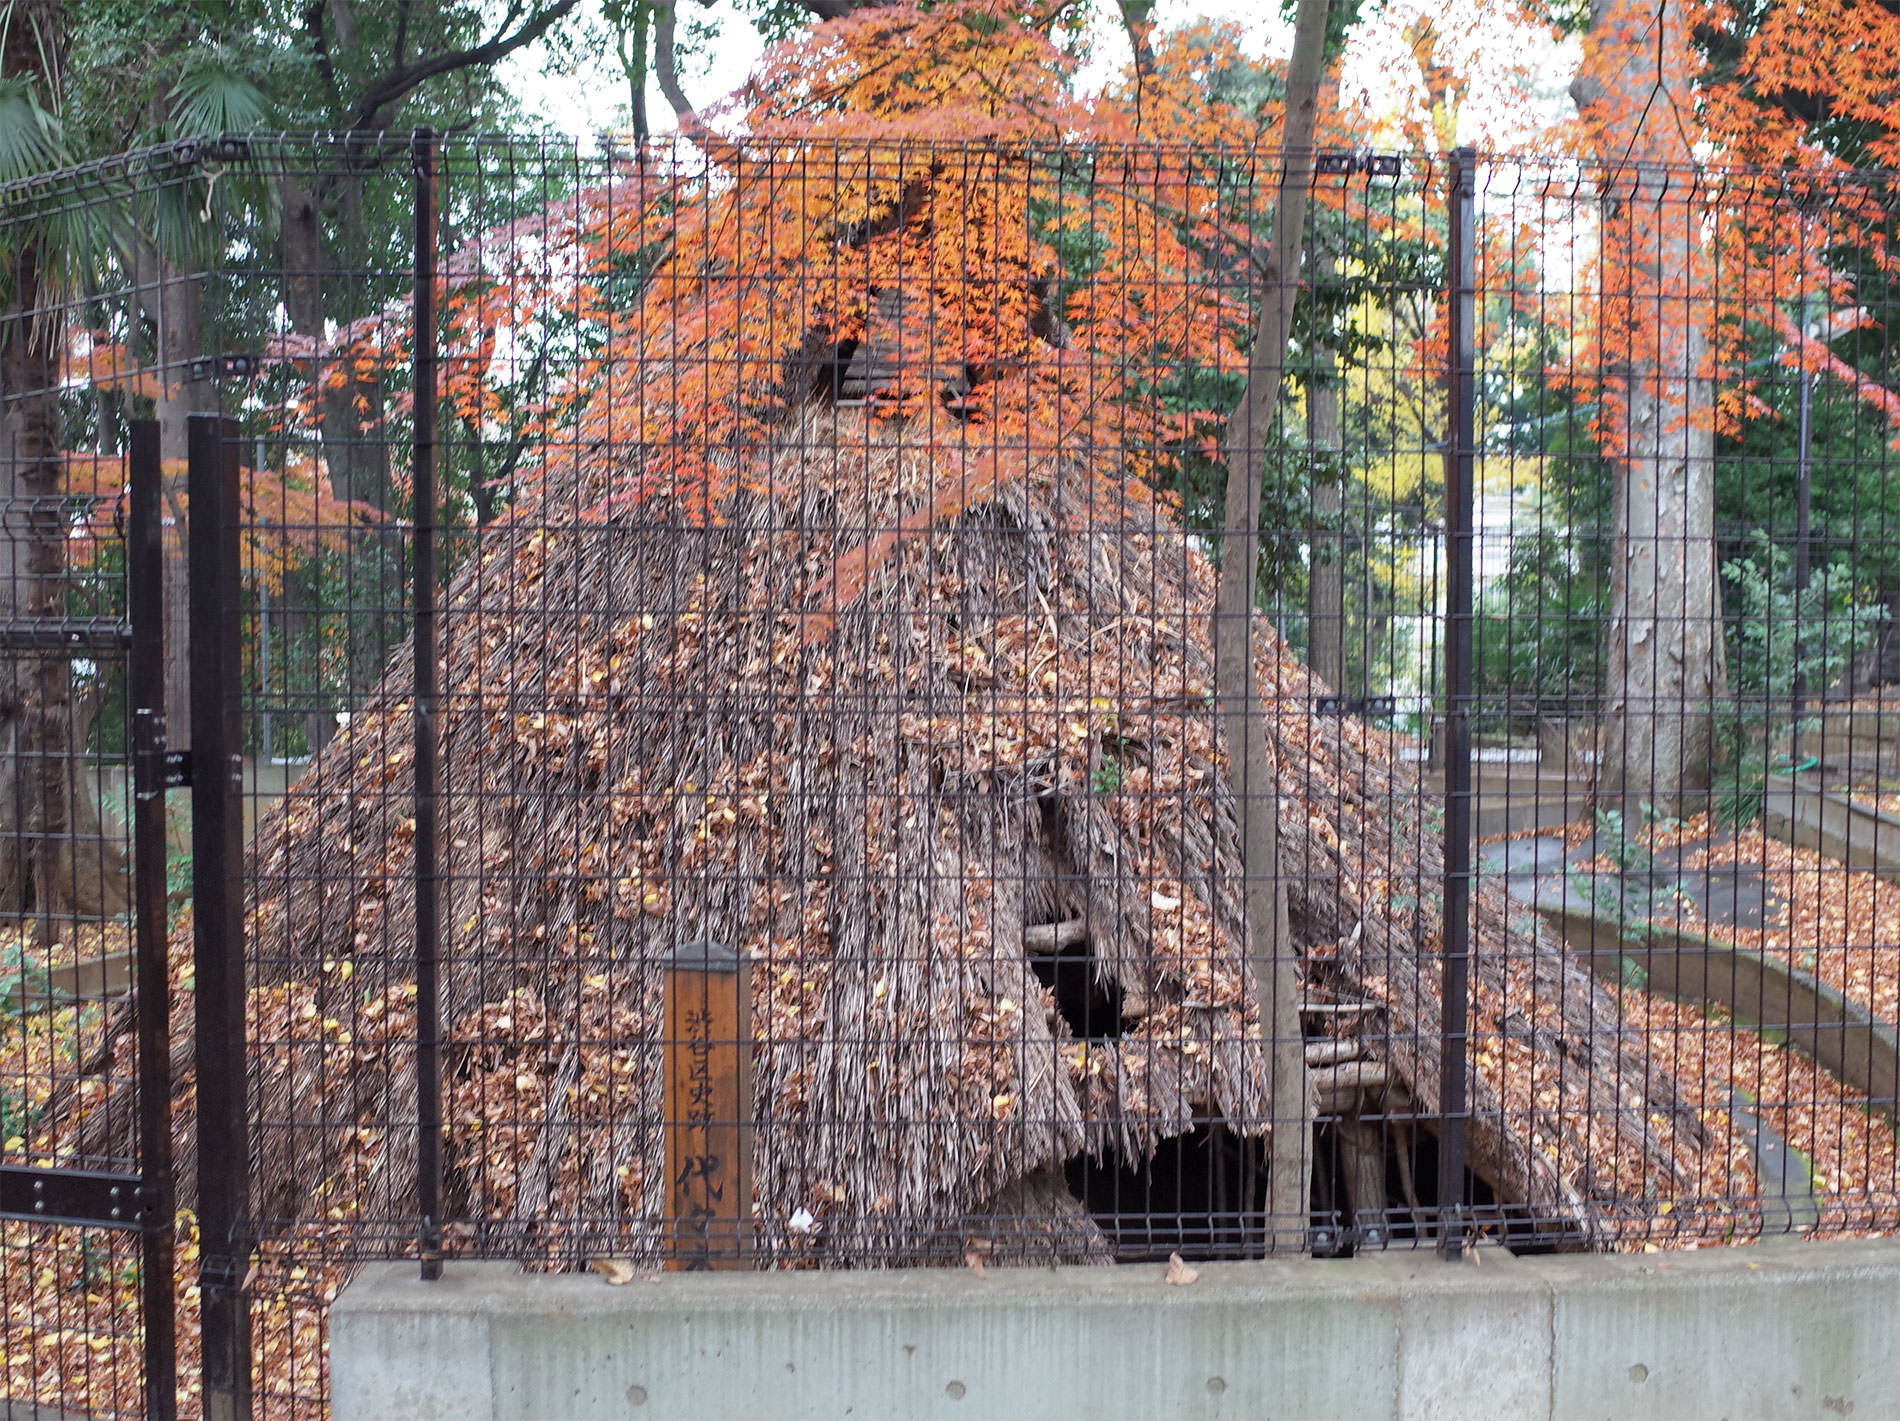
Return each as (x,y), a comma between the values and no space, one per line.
(617,1271)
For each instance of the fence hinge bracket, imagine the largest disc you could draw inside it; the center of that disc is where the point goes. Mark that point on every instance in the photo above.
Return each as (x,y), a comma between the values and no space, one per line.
(224,367)
(156,769)
(76,1196)
(1337,164)
(1370,707)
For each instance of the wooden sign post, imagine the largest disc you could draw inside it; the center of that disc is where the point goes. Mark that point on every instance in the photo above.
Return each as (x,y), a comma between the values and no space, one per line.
(708,1102)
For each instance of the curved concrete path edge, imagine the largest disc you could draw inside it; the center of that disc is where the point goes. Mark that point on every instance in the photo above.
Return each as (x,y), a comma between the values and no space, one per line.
(1798,811)
(1758,989)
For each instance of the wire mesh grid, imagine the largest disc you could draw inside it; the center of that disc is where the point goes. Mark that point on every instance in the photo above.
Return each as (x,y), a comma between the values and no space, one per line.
(839,599)
(74,1263)
(831,855)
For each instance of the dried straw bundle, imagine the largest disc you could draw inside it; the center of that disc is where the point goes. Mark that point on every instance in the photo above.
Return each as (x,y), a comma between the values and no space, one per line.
(646,742)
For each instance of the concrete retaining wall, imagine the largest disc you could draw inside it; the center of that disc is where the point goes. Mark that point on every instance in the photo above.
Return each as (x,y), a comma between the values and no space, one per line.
(1801,812)
(1758,988)
(1792,1330)
(1512,799)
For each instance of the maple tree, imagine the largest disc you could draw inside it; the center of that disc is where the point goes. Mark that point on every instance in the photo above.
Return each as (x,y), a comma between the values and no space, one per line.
(857,186)
(1656,405)
(1685,369)
(1806,95)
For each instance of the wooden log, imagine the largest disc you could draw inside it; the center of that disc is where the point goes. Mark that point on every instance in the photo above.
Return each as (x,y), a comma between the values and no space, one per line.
(1344,1089)
(1333,1053)
(1338,1008)
(1362,1168)
(708,1105)
(1044,939)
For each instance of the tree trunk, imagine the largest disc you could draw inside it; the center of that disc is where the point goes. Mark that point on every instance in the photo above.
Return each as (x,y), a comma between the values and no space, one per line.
(171,298)
(356,456)
(1326,570)
(1665,655)
(36,691)
(301,226)
(35,687)
(1270,947)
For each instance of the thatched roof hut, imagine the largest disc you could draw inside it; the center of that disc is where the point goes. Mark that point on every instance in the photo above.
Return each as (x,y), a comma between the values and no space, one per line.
(649,737)
(845,629)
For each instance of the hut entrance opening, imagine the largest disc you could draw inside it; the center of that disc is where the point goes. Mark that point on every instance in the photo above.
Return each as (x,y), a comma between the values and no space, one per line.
(1089,1000)
(1202,1195)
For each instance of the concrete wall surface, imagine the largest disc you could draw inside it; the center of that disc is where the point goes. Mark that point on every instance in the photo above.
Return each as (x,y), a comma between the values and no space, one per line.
(1777,1331)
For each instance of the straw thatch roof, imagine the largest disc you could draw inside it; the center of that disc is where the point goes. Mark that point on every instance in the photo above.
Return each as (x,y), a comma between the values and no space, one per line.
(644,743)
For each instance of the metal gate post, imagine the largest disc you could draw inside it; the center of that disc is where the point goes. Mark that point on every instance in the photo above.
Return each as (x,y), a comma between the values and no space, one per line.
(217,891)
(1454,1087)
(145,675)
(428,888)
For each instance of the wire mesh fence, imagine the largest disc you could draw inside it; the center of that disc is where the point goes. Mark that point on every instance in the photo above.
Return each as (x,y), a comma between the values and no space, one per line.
(824,538)
(86,1240)
(734,763)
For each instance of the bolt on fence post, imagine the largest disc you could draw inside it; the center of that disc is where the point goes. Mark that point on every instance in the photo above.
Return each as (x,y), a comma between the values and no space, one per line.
(1454,1085)
(217,895)
(151,997)
(428,886)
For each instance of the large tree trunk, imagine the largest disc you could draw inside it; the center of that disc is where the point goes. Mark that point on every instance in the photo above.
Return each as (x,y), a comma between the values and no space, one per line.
(1270,950)
(301,227)
(355,452)
(172,298)
(180,342)
(1326,570)
(35,687)
(1665,661)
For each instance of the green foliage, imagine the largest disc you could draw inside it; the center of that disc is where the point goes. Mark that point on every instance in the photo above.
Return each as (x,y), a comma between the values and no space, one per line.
(1855,498)
(178,880)
(776,20)
(16,1118)
(1626,850)
(1341,16)
(1538,633)
(97,1272)
(1780,637)
(213,95)
(32,140)
(1780,634)
(1538,637)
(23,980)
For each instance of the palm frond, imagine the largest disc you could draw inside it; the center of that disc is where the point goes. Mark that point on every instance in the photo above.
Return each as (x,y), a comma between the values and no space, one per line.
(212,96)
(68,242)
(31,138)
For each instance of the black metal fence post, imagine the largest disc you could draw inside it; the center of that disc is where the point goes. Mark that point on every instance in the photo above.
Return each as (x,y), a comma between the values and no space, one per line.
(217,891)
(1454,1087)
(145,674)
(428,1010)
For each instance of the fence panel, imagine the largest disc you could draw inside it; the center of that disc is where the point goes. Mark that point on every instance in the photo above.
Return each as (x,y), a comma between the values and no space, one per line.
(86,1196)
(1683,654)
(728,713)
